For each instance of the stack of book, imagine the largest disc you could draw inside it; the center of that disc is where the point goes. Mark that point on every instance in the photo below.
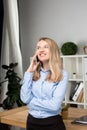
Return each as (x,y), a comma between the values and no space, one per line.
(77,93)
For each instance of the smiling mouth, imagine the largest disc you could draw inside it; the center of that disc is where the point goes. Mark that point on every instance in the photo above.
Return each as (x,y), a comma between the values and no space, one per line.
(42,54)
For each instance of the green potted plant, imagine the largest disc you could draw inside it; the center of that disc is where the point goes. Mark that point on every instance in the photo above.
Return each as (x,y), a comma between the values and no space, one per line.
(69,48)
(13,88)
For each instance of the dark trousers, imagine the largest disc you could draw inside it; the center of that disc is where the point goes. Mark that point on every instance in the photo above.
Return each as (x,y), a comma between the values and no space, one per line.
(50,123)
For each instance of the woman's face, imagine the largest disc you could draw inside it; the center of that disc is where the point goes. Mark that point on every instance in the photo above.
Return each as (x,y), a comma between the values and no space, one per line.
(43,51)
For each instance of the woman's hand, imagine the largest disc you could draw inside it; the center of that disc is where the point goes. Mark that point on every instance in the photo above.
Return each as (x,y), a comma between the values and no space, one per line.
(34,64)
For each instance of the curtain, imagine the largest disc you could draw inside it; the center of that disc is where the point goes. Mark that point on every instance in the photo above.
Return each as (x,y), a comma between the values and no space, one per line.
(10,51)
(1,29)
(1,24)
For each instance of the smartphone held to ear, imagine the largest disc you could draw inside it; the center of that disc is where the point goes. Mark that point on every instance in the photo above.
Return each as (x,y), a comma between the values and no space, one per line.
(37,60)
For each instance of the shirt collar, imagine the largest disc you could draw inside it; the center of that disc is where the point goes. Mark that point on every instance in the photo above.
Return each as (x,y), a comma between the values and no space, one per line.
(45,71)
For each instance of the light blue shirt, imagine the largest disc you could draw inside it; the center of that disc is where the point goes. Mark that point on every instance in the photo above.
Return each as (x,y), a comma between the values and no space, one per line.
(43,98)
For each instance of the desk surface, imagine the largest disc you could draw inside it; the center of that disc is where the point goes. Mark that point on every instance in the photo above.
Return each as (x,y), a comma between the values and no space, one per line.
(70,126)
(18,117)
(15,117)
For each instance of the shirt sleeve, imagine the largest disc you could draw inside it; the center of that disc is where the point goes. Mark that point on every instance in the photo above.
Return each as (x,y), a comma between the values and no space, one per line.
(25,92)
(53,104)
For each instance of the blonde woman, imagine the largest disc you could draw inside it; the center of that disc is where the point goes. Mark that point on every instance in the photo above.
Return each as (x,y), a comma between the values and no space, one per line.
(44,86)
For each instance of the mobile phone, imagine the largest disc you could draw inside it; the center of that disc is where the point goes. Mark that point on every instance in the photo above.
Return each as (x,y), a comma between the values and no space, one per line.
(37,60)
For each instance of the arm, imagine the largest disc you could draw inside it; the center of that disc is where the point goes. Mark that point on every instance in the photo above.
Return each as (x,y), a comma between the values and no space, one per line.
(26,93)
(26,89)
(56,100)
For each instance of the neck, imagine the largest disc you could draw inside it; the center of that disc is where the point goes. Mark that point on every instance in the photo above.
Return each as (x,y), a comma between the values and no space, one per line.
(45,66)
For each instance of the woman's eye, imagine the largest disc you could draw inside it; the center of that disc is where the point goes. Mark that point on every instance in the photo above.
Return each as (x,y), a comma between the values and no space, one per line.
(38,48)
(46,47)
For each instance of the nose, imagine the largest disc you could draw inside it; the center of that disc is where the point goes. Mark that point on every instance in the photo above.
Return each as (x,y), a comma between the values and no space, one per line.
(41,49)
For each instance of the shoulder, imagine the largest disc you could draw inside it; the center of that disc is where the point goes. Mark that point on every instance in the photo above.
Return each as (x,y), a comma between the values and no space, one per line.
(65,73)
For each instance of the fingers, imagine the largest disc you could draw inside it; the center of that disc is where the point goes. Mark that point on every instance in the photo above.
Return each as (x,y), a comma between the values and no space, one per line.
(34,57)
(34,64)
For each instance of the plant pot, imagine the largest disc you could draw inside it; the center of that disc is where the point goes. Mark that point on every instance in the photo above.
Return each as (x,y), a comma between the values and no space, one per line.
(64,114)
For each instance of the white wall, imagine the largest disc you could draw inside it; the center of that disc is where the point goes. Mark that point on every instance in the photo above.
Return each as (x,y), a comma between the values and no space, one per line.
(62,20)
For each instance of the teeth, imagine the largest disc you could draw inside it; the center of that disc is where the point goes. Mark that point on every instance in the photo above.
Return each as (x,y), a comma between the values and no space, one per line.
(43,54)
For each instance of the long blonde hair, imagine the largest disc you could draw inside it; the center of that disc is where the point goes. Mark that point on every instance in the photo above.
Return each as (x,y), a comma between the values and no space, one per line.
(54,62)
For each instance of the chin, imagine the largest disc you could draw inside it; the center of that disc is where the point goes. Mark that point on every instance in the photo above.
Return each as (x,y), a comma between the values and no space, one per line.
(45,60)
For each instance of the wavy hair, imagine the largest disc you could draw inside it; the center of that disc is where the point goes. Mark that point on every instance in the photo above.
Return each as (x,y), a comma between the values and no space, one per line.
(54,62)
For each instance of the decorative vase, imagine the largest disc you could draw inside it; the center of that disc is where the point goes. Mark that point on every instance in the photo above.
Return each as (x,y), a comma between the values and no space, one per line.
(85,49)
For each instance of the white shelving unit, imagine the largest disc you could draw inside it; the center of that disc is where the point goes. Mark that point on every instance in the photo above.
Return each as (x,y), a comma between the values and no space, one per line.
(76,64)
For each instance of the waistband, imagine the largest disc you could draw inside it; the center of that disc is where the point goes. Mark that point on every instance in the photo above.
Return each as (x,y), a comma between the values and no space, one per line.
(44,121)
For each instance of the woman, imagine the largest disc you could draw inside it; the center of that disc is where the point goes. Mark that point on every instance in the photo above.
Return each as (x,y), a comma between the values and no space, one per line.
(44,87)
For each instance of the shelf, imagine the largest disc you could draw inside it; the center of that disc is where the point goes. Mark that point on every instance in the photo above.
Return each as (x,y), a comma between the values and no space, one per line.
(71,79)
(72,102)
(75,64)
(72,56)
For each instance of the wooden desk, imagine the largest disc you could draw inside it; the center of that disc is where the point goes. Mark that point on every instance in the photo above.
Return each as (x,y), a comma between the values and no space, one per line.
(72,114)
(15,117)
(18,117)
(70,126)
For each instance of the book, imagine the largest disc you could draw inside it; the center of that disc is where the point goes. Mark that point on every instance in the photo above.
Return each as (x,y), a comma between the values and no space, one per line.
(85,68)
(74,90)
(80,96)
(74,98)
